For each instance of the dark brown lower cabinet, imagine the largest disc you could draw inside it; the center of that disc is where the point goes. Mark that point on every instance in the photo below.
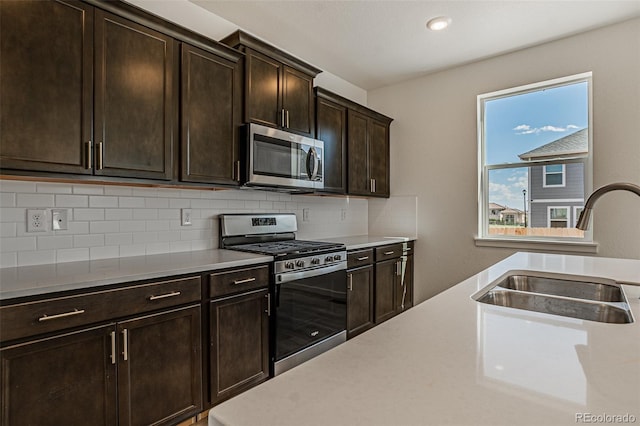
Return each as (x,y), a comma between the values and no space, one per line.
(360,300)
(160,367)
(239,332)
(386,282)
(64,380)
(144,371)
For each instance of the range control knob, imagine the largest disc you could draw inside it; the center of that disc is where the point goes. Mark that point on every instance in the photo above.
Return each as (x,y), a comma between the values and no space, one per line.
(315,261)
(337,257)
(300,263)
(328,259)
(288,265)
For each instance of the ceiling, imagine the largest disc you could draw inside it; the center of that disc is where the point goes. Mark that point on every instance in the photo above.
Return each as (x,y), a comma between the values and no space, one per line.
(375,43)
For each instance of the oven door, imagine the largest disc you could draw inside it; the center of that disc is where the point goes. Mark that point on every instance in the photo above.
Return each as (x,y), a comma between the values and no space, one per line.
(310,308)
(278,158)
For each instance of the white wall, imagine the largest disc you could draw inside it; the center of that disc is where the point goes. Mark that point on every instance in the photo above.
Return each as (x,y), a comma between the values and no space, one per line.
(434,146)
(107,221)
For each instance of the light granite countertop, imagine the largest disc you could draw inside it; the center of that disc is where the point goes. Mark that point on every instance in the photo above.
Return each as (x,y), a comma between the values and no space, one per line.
(451,360)
(36,280)
(366,241)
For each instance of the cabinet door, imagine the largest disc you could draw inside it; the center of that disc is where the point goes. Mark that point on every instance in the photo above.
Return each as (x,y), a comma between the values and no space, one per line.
(46,96)
(331,128)
(386,279)
(404,287)
(134,103)
(209,117)
(379,158)
(239,357)
(160,368)
(297,101)
(262,94)
(359,300)
(358,154)
(64,380)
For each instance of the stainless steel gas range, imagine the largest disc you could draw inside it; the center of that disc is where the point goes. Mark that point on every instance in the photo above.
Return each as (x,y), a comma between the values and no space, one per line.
(308,286)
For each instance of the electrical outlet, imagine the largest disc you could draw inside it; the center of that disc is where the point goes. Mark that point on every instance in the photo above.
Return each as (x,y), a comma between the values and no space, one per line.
(305,215)
(186,217)
(59,219)
(36,220)
(343,214)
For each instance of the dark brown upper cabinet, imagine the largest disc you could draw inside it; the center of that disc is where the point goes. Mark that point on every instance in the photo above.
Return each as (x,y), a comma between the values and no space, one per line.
(46,86)
(66,64)
(331,128)
(211,101)
(278,86)
(356,146)
(135,95)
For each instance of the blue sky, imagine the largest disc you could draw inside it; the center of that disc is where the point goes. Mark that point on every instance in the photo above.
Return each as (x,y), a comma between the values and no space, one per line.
(517,124)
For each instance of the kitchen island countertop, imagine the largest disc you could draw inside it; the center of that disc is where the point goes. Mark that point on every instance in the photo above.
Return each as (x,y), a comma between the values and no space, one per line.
(452,360)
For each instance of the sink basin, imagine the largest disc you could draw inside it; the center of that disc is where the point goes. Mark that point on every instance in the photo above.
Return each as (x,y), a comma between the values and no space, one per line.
(574,298)
(574,308)
(561,287)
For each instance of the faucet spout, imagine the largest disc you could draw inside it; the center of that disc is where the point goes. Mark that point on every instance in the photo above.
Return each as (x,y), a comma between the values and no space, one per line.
(583,221)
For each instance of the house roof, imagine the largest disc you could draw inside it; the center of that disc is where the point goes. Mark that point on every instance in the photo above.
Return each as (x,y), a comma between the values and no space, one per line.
(494,206)
(571,145)
(512,210)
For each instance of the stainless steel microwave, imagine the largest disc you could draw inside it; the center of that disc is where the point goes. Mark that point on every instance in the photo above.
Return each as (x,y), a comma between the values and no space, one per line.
(283,160)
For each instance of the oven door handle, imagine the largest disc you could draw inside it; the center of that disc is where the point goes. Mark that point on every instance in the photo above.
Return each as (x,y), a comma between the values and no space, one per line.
(293,276)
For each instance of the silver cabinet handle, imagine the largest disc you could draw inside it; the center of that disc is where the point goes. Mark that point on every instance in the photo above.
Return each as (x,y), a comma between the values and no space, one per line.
(236,171)
(113,347)
(287,119)
(87,155)
(282,113)
(398,268)
(246,280)
(268,311)
(363,258)
(100,155)
(164,296)
(350,282)
(63,315)
(125,344)
(387,253)
(373,185)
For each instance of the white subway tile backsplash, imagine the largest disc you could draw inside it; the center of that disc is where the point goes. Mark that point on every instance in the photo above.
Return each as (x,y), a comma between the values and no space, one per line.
(119,221)
(103,201)
(35,200)
(72,201)
(72,255)
(88,214)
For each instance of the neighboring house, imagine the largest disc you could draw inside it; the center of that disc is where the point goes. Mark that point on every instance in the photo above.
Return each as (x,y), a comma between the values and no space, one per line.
(504,215)
(556,192)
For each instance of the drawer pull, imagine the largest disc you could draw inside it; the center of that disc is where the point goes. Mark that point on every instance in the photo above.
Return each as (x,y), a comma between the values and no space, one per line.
(66,314)
(246,280)
(164,296)
(363,258)
(387,253)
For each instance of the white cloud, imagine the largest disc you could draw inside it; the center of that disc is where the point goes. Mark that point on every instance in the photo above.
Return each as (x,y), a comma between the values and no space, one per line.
(525,129)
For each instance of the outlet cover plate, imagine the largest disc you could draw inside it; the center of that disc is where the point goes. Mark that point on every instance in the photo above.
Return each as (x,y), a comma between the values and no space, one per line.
(186,217)
(36,220)
(59,219)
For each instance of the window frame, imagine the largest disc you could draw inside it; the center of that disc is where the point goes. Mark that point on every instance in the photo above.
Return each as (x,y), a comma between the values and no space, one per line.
(567,220)
(483,238)
(562,173)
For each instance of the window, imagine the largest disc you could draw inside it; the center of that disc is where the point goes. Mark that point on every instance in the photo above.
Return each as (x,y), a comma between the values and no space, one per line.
(554,175)
(576,214)
(534,160)
(558,217)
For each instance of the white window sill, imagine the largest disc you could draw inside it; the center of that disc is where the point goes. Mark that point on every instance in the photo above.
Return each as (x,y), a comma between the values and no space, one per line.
(585,247)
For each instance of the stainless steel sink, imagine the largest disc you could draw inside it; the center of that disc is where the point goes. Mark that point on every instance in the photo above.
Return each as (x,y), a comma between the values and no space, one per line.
(561,287)
(581,299)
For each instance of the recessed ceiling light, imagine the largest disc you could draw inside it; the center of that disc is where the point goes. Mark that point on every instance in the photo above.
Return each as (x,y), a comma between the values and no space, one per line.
(439,23)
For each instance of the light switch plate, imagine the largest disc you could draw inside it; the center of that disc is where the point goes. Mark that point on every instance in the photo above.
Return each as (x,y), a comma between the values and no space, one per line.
(59,219)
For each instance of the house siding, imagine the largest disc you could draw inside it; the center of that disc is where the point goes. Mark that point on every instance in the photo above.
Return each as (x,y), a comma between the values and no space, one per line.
(573,189)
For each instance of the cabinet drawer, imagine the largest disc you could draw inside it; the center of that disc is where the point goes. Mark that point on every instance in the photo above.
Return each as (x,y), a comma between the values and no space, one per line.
(388,252)
(239,280)
(356,259)
(44,316)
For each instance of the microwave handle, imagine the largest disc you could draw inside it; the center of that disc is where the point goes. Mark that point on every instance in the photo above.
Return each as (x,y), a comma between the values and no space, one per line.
(312,154)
